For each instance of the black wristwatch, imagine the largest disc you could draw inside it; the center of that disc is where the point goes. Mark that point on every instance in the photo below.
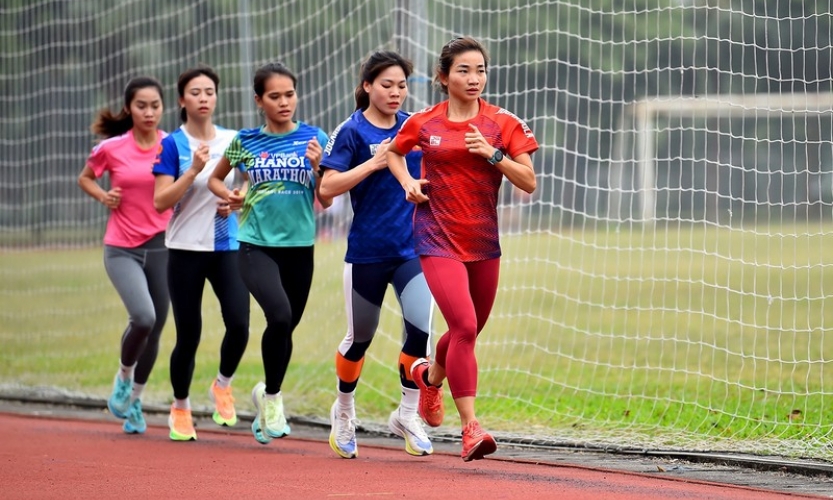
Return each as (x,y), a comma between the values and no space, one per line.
(496,158)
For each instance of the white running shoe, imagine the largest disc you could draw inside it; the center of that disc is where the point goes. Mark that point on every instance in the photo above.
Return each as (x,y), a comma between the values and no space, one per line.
(343,432)
(270,421)
(416,440)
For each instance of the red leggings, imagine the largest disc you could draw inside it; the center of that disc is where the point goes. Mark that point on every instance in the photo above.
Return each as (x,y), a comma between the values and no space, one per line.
(465,293)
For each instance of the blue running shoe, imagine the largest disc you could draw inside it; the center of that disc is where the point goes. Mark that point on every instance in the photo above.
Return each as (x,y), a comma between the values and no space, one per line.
(119,402)
(135,423)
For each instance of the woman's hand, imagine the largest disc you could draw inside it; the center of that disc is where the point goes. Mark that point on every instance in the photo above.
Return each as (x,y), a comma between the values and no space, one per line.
(313,154)
(477,144)
(201,157)
(413,190)
(112,198)
(380,158)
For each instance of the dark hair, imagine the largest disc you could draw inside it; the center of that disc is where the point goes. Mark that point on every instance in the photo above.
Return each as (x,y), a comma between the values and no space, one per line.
(266,71)
(452,49)
(109,125)
(189,74)
(372,67)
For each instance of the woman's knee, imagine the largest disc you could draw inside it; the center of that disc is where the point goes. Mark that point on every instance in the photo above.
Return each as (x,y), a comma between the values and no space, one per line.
(143,321)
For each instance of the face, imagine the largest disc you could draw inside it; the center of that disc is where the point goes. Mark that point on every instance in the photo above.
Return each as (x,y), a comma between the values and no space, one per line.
(388,90)
(200,98)
(467,77)
(146,109)
(278,101)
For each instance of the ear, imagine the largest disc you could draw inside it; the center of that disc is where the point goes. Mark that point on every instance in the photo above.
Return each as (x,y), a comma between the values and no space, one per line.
(444,79)
(181,102)
(127,110)
(367,86)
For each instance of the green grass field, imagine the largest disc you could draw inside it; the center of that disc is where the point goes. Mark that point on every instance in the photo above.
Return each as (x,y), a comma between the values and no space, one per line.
(688,338)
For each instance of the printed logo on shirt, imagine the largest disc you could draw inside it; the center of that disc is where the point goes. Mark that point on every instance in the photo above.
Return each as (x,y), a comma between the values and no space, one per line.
(279,167)
(299,143)
(524,127)
(434,140)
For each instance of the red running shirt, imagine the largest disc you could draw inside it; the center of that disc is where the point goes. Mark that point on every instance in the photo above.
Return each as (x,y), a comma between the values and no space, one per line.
(459,220)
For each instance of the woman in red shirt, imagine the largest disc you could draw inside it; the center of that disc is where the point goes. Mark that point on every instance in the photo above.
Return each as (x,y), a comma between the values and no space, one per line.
(468,146)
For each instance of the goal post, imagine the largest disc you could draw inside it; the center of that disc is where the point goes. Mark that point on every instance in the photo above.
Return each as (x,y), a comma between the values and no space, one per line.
(639,122)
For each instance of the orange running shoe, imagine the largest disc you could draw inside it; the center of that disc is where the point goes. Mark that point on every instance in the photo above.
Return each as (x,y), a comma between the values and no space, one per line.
(224,413)
(477,443)
(181,425)
(430,406)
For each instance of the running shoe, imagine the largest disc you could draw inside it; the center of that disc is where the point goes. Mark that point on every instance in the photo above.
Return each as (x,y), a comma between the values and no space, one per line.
(270,421)
(343,432)
(135,423)
(181,425)
(477,443)
(411,429)
(224,413)
(430,406)
(119,401)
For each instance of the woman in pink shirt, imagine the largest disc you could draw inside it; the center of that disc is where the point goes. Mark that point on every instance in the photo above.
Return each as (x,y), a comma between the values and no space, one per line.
(135,256)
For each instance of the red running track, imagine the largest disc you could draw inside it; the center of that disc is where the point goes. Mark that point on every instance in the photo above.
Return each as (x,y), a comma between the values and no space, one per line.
(56,458)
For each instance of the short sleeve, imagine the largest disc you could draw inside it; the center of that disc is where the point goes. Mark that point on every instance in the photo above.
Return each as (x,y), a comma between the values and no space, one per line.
(408,135)
(518,137)
(340,150)
(97,160)
(167,161)
(235,154)
(323,138)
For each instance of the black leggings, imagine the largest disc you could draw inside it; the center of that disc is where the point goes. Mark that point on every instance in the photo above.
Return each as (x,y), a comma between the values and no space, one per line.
(279,279)
(187,273)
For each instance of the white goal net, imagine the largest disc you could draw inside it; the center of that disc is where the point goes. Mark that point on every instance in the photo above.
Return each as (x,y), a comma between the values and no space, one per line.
(665,287)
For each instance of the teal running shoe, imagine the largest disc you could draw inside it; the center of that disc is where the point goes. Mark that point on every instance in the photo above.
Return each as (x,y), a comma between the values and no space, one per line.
(135,423)
(270,421)
(119,402)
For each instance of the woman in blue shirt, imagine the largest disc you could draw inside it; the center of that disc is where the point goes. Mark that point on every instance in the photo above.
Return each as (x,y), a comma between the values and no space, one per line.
(380,249)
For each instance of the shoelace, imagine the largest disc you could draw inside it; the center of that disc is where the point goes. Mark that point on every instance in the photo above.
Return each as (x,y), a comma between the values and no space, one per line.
(271,409)
(473,430)
(134,411)
(224,399)
(122,389)
(433,402)
(346,430)
(182,420)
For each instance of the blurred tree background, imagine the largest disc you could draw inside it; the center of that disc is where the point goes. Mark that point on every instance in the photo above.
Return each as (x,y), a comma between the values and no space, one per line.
(568,67)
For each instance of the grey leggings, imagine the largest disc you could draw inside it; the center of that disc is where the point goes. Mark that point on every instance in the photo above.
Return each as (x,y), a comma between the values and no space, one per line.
(140,277)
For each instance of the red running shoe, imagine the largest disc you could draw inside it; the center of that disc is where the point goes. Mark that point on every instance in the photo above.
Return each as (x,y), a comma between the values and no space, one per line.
(430,406)
(477,443)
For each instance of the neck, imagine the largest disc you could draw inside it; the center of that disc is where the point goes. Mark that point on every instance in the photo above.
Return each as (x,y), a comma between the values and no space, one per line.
(144,138)
(460,111)
(200,130)
(379,119)
(279,128)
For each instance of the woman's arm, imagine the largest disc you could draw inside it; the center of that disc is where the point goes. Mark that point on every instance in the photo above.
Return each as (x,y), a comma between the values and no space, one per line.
(217,180)
(399,169)
(335,183)
(518,170)
(88,184)
(314,154)
(167,191)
